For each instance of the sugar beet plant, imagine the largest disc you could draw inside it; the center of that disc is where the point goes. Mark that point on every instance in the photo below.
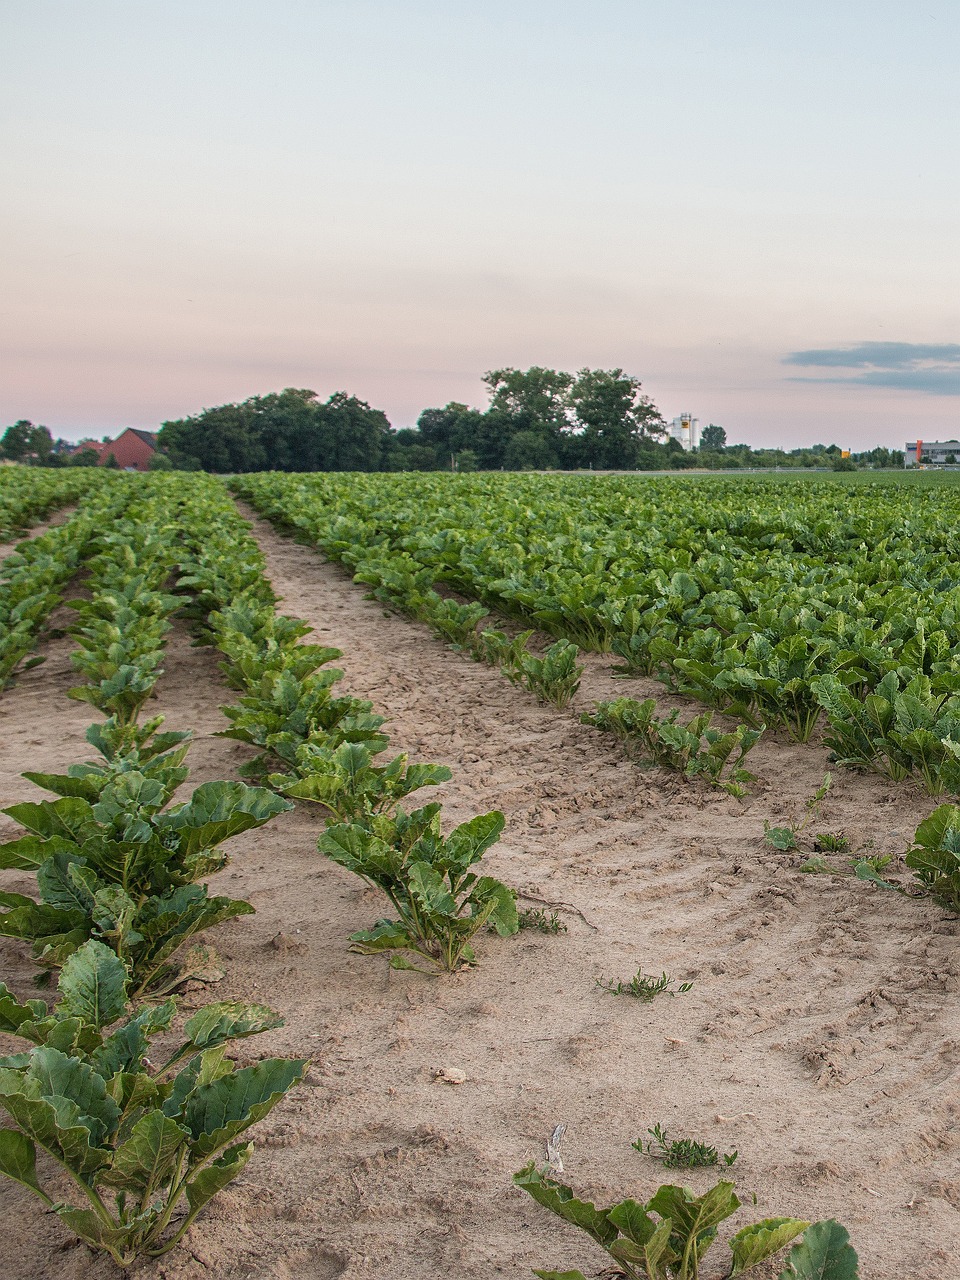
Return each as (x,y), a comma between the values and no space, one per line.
(671,1245)
(441,903)
(327,749)
(935,857)
(144,1147)
(907,726)
(115,862)
(695,748)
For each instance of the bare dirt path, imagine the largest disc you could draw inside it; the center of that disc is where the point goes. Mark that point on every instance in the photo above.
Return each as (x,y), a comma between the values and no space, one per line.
(820,1038)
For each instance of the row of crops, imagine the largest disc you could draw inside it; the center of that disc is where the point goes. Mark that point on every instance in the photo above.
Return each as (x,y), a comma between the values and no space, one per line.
(148,1132)
(149,1135)
(787,604)
(28,495)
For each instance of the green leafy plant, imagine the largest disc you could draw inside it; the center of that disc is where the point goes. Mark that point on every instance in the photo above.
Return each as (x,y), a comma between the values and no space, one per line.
(537,918)
(113,863)
(831,842)
(671,1245)
(347,783)
(281,712)
(440,902)
(644,986)
(906,725)
(134,1140)
(782,838)
(695,748)
(934,858)
(555,677)
(497,649)
(455,623)
(681,1153)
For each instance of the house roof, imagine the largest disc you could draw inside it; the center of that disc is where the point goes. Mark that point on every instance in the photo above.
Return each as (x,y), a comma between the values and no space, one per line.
(148,437)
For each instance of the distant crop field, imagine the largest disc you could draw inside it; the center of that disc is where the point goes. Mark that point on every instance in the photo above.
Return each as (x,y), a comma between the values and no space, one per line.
(779,600)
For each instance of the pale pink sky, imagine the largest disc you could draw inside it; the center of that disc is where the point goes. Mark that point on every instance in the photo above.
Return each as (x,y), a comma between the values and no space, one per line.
(219,199)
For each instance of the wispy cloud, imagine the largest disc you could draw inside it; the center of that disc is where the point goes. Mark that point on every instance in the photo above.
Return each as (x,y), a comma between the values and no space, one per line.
(930,368)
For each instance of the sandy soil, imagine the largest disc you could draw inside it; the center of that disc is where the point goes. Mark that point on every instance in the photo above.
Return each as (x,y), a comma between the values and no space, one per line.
(821,1038)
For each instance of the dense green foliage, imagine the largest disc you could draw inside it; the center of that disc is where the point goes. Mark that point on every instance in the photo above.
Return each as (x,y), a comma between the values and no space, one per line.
(286,431)
(26,497)
(536,419)
(133,1138)
(772,600)
(33,578)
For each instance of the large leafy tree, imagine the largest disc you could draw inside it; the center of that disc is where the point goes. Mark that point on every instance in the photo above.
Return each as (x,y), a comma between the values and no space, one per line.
(448,431)
(352,436)
(222,439)
(535,399)
(615,420)
(288,430)
(712,437)
(23,442)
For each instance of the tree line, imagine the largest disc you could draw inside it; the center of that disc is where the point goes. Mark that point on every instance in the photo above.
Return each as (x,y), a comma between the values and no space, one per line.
(537,419)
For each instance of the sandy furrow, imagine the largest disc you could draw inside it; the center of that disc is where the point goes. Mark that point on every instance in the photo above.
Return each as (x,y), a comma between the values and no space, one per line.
(820,1038)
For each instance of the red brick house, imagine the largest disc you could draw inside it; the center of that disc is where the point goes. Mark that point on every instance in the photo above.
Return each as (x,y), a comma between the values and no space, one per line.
(132,449)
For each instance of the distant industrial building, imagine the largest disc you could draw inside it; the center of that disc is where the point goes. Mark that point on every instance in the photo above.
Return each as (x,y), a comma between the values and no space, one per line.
(686,429)
(932,453)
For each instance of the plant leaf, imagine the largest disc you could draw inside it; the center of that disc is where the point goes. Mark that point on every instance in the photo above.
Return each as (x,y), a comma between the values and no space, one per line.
(93,985)
(149,1156)
(203,1186)
(429,887)
(632,1220)
(218,810)
(824,1253)
(467,843)
(761,1239)
(559,1199)
(229,1020)
(18,1160)
(216,1112)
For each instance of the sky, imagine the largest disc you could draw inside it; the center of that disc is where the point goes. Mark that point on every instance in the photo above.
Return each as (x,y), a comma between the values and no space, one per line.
(751,205)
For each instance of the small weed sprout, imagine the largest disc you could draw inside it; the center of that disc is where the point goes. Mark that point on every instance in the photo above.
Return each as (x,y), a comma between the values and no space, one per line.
(785,838)
(537,918)
(831,842)
(644,986)
(681,1153)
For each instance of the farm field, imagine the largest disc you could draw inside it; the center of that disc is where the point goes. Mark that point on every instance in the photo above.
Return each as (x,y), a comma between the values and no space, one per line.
(820,1037)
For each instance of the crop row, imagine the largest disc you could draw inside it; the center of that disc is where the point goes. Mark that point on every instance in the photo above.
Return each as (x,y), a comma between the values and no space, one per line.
(119,871)
(33,578)
(27,494)
(768,602)
(118,856)
(119,868)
